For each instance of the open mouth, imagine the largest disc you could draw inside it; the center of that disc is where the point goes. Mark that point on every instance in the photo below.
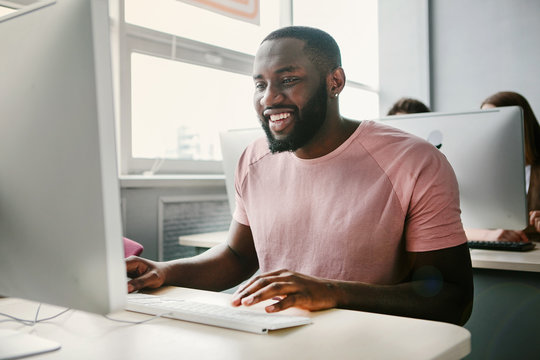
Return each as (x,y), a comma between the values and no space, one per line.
(278,122)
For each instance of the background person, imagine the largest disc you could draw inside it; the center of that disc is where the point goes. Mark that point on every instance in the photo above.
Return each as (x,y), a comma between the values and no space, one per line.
(407,105)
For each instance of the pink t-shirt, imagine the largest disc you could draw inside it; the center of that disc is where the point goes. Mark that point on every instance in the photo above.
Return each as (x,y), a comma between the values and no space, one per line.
(354,214)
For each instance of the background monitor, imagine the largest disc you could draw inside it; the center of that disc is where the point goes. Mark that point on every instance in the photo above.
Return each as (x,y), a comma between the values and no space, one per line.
(60,221)
(484,147)
(233,144)
(486,150)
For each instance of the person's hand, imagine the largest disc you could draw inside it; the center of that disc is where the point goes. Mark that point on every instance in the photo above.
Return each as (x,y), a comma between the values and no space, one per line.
(289,289)
(534,219)
(511,235)
(144,273)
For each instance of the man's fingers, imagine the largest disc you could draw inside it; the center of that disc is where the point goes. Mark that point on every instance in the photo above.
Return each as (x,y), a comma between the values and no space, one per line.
(258,278)
(148,280)
(270,291)
(285,303)
(250,288)
(135,266)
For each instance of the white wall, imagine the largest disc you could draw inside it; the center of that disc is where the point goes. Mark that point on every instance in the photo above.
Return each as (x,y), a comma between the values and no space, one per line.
(476,48)
(403,51)
(483,46)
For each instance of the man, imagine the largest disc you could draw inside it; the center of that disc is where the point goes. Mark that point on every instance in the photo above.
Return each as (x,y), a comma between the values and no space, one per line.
(334,212)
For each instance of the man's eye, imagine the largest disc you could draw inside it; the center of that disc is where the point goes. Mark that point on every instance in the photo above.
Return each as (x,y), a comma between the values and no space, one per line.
(259,86)
(289,80)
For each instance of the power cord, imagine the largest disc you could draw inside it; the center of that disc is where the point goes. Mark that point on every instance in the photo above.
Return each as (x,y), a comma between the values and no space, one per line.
(35,320)
(137,322)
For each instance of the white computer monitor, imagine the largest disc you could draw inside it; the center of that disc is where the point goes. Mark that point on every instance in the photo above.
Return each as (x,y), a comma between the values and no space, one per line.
(486,150)
(60,220)
(233,143)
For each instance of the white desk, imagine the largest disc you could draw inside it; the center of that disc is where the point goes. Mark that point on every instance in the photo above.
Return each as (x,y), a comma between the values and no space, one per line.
(507,260)
(505,320)
(204,240)
(335,334)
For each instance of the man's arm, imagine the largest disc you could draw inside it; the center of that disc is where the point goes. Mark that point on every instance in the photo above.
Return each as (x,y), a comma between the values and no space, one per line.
(440,288)
(219,268)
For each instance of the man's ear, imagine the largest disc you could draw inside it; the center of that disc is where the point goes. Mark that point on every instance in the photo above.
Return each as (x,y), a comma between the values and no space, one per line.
(335,82)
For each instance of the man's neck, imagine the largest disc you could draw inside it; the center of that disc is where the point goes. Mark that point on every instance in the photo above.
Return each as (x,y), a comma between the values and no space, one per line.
(331,135)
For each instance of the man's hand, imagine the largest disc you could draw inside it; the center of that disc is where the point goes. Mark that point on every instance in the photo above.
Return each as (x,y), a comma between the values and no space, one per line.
(290,289)
(144,273)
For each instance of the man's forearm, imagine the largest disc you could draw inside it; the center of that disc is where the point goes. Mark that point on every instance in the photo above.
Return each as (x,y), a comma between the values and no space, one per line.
(424,299)
(216,269)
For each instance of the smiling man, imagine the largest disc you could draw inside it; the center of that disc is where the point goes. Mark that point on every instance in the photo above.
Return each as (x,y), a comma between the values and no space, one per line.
(334,212)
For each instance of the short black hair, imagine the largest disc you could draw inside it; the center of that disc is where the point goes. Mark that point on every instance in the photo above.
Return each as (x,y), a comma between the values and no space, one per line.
(321,48)
(530,123)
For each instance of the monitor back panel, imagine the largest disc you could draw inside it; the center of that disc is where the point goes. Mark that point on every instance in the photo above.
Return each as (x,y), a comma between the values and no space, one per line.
(60,224)
(486,151)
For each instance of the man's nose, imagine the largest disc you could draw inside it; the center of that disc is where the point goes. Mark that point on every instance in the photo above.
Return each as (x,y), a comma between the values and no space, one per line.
(271,96)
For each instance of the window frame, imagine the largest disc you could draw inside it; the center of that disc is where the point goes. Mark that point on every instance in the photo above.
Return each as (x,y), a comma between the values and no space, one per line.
(130,38)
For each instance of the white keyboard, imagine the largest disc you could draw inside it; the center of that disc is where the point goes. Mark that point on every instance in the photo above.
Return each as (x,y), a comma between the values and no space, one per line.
(210,314)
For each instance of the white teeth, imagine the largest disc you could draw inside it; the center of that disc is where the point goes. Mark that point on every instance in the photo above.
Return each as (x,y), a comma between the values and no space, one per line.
(276,117)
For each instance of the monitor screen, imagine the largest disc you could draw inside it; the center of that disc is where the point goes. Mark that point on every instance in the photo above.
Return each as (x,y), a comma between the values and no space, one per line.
(60,221)
(486,151)
(233,144)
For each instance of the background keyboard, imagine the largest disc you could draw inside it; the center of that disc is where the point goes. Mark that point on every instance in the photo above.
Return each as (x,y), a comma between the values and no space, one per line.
(210,314)
(501,245)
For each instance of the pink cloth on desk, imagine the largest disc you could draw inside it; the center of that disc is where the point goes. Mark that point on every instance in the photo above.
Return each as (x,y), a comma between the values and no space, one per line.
(132,247)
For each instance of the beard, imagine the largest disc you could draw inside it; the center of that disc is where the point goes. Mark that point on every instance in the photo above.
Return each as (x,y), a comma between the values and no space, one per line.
(308,122)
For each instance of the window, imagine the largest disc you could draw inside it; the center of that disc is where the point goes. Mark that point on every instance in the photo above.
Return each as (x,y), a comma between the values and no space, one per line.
(185,75)
(190,99)
(190,22)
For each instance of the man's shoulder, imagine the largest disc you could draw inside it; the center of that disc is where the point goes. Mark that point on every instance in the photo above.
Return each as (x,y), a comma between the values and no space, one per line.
(404,157)
(383,140)
(255,151)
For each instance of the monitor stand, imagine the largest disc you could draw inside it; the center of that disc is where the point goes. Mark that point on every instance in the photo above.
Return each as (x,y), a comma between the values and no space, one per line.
(16,344)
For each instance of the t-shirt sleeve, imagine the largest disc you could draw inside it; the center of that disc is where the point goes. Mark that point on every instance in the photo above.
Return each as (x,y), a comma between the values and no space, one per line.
(433,219)
(240,214)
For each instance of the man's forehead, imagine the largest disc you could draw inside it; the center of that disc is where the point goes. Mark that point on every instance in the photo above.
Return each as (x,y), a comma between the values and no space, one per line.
(280,52)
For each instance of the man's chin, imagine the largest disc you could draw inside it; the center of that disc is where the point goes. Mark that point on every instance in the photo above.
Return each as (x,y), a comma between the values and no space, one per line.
(281,145)
(279,142)
(281,137)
